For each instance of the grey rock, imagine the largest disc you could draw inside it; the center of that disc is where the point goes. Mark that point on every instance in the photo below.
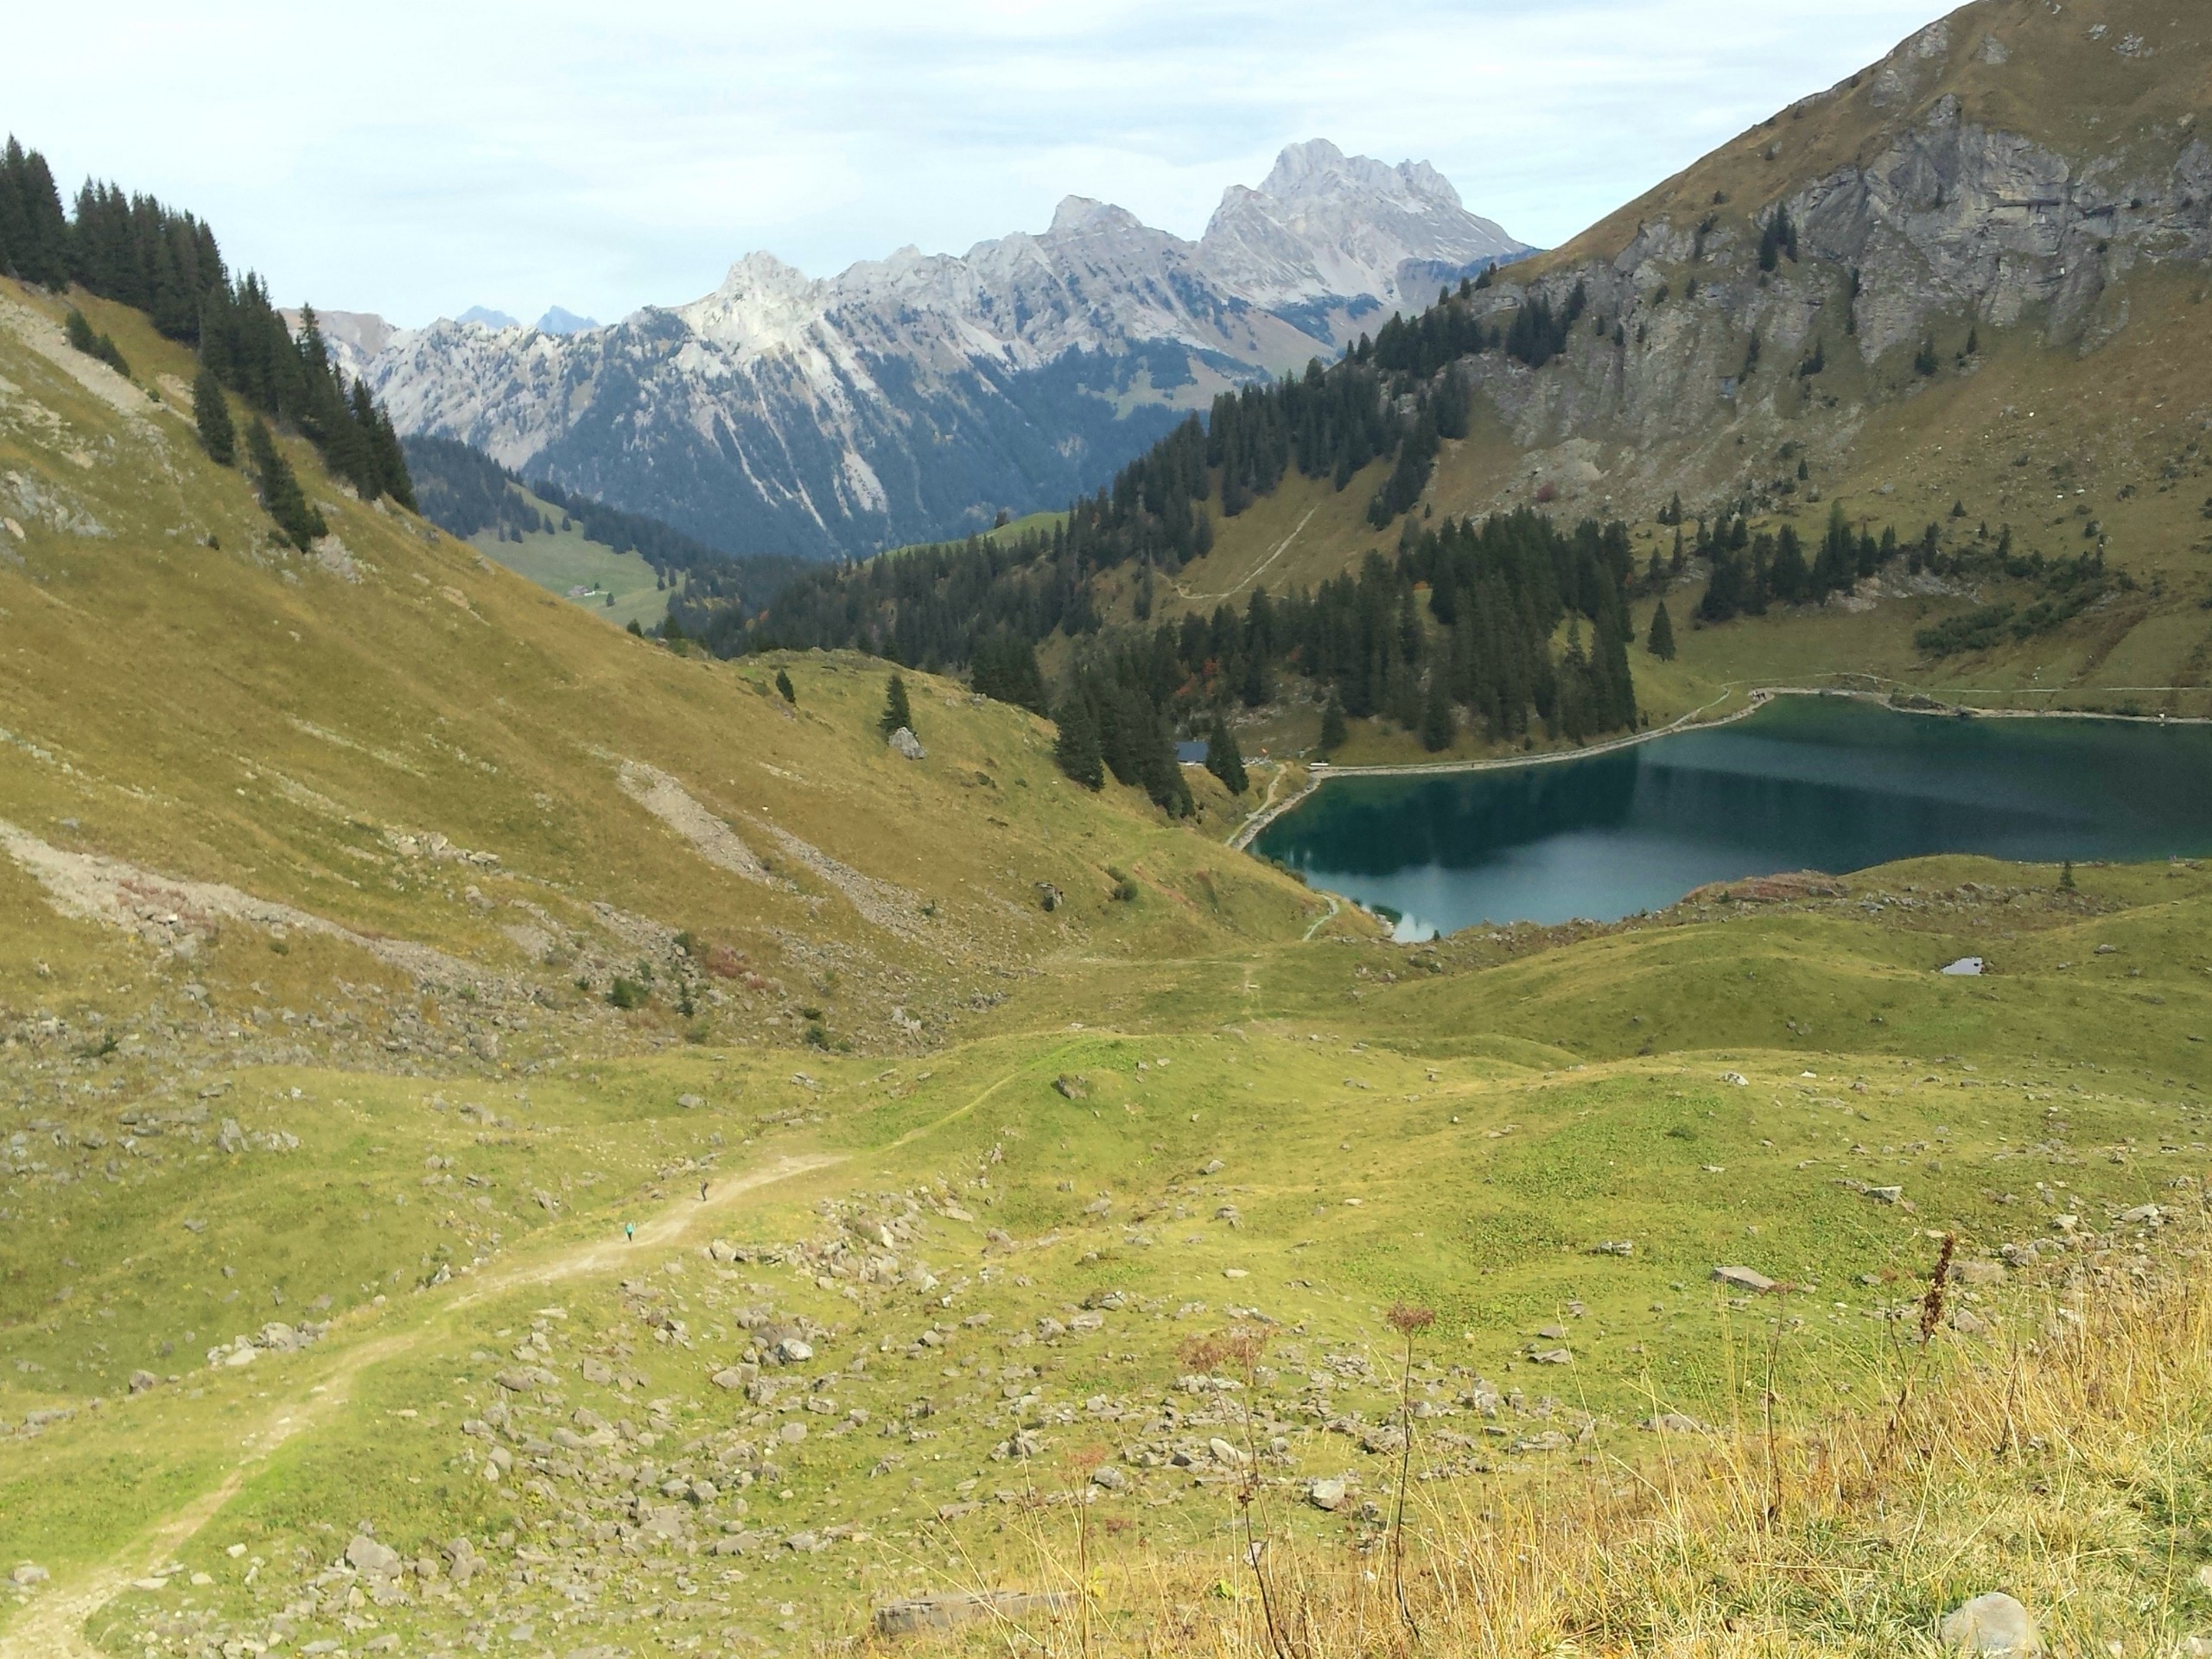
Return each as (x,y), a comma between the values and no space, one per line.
(792,1350)
(1744,1279)
(27,1573)
(1326,1494)
(906,743)
(1994,1622)
(1109,1479)
(462,1561)
(365,1555)
(924,1614)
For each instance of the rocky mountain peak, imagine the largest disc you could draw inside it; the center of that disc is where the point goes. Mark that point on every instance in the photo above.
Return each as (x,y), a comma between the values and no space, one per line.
(1084,216)
(914,396)
(1318,168)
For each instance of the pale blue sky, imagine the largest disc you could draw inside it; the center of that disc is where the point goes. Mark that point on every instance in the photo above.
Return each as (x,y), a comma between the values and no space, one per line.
(416,159)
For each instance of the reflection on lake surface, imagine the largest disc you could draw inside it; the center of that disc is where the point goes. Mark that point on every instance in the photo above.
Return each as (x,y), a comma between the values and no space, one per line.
(1807,783)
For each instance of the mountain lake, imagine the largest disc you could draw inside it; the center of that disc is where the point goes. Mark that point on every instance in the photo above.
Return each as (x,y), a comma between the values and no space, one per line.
(1805,783)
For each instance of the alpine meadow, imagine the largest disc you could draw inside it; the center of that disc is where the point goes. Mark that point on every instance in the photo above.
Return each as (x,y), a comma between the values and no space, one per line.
(590,1066)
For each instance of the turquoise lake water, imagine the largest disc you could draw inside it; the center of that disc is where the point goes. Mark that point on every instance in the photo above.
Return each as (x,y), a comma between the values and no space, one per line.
(1807,783)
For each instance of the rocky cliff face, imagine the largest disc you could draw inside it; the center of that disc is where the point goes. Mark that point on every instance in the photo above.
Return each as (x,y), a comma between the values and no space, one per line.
(2008,170)
(914,396)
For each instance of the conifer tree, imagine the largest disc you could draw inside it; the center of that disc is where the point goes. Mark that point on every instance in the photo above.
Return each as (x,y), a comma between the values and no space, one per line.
(280,491)
(1660,640)
(896,714)
(1074,751)
(1223,760)
(1437,723)
(211,413)
(1332,723)
(784,686)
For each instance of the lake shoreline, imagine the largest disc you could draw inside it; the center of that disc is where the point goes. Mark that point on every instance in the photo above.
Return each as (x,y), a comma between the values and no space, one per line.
(1756,699)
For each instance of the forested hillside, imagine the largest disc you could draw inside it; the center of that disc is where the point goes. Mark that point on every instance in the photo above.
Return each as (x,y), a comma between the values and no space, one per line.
(137,251)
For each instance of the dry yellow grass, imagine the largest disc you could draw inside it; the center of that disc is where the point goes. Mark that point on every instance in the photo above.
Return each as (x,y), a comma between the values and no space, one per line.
(2060,1457)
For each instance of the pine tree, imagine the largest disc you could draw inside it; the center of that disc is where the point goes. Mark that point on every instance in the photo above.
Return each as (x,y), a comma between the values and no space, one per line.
(1332,723)
(1075,749)
(280,491)
(211,413)
(896,714)
(2066,876)
(1437,725)
(1661,641)
(1223,760)
(784,685)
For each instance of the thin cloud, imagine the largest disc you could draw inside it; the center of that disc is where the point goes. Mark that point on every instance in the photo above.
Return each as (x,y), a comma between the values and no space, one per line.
(444,155)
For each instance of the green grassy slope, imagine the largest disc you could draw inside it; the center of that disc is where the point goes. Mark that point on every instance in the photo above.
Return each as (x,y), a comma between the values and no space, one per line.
(1309,1131)
(619,587)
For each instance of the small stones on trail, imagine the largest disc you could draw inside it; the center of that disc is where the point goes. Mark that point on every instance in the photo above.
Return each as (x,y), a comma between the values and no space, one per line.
(1994,1623)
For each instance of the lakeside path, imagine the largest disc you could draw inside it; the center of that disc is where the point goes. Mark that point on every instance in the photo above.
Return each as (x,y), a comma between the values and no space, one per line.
(1755,698)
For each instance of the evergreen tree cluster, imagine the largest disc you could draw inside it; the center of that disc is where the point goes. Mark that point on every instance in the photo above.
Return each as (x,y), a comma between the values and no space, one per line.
(34,235)
(1750,572)
(463,491)
(137,252)
(1005,668)
(1477,650)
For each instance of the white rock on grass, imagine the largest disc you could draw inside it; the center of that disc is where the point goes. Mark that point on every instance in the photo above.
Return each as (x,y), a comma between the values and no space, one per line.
(1995,1624)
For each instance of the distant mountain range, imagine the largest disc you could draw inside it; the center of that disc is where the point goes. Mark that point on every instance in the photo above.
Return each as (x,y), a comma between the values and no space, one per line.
(917,396)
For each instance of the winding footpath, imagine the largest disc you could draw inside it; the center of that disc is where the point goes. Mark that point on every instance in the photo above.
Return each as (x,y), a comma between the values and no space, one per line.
(53,1626)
